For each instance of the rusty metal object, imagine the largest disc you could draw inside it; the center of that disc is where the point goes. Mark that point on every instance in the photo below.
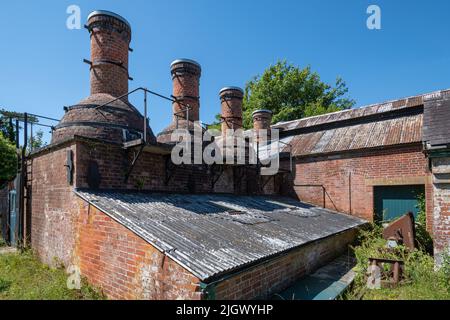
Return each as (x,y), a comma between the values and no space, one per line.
(392,276)
(402,231)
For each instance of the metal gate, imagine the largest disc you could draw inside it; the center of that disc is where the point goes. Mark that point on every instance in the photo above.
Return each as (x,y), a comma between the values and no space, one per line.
(13,215)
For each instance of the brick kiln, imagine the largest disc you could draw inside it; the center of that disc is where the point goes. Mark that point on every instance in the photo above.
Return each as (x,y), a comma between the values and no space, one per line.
(139,227)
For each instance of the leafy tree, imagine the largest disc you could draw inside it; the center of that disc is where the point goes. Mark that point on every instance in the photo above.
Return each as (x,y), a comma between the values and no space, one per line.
(8,160)
(293,93)
(36,142)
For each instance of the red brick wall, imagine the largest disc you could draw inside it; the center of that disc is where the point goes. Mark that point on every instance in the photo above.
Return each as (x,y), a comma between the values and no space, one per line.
(362,171)
(123,265)
(53,207)
(272,277)
(149,172)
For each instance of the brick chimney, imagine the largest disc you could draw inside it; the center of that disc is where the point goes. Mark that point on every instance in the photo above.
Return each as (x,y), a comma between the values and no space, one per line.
(110,40)
(231,101)
(186,90)
(262,119)
(118,121)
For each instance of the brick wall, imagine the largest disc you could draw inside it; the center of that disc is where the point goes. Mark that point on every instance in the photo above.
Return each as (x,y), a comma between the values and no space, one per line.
(123,265)
(271,277)
(441,214)
(149,172)
(53,207)
(360,172)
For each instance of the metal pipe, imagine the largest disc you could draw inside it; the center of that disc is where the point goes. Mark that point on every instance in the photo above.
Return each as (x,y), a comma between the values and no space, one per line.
(22,182)
(43,117)
(31,137)
(17,134)
(145,116)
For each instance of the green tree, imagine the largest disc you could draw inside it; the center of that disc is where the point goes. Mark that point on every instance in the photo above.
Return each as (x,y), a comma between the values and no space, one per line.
(293,93)
(8,160)
(36,142)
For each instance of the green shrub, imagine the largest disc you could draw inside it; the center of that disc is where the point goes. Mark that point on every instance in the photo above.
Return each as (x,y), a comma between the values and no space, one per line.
(423,237)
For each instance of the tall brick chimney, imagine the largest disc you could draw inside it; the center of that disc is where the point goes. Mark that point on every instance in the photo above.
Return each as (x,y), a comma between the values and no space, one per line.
(231,102)
(110,42)
(117,121)
(186,90)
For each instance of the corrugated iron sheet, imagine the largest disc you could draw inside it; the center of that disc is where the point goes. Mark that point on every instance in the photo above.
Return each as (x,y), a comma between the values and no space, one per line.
(211,235)
(381,133)
(355,113)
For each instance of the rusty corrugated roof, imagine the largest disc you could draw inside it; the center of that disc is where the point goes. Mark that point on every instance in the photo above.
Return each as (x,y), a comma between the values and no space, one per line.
(215,234)
(403,130)
(379,125)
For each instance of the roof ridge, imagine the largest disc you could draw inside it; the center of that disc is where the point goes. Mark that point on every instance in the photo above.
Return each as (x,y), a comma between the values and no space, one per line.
(386,107)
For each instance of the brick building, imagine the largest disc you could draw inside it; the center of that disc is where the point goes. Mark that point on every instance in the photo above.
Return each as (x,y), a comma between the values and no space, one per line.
(106,198)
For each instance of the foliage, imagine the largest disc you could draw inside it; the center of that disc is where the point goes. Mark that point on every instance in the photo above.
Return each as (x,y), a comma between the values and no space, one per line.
(8,160)
(36,142)
(420,281)
(8,117)
(292,93)
(423,237)
(23,277)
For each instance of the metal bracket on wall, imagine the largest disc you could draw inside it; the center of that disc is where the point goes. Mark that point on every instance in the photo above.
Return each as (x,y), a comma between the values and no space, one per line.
(169,170)
(215,174)
(265,181)
(133,162)
(69,167)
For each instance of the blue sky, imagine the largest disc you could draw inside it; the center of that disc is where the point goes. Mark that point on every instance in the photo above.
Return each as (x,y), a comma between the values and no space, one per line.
(41,67)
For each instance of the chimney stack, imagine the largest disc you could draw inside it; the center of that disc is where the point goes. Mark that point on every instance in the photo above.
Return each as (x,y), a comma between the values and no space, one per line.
(262,120)
(186,88)
(110,40)
(231,101)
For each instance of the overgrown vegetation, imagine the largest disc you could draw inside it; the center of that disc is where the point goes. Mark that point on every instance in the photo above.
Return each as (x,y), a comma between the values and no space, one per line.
(8,160)
(23,277)
(420,279)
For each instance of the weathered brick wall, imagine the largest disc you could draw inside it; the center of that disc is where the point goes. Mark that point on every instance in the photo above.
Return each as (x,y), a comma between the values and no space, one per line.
(123,265)
(149,172)
(271,277)
(441,232)
(360,172)
(53,207)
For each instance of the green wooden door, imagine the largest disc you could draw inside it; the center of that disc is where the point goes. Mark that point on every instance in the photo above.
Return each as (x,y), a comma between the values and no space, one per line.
(394,201)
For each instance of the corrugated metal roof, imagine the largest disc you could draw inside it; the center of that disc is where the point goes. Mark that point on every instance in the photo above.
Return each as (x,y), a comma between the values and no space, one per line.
(357,113)
(379,125)
(381,133)
(212,235)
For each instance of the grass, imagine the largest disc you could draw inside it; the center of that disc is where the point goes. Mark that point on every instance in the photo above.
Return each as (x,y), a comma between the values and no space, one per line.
(24,277)
(421,280)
